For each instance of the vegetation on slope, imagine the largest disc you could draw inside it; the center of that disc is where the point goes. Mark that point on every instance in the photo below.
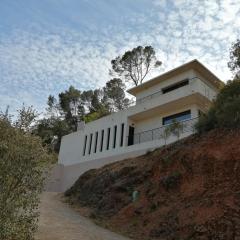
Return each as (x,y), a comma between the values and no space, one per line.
(225,111)
(23,162)
(188,190)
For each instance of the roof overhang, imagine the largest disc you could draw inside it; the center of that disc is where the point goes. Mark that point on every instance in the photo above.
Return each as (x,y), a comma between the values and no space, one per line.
(194,64)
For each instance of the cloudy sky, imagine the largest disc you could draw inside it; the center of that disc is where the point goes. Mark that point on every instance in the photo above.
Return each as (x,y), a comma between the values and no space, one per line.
(48,45)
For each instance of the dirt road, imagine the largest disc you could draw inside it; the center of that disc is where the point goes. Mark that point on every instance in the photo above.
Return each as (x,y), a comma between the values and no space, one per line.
(59,222)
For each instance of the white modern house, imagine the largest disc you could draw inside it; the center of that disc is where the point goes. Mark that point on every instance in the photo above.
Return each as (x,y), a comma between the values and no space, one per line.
(179,95)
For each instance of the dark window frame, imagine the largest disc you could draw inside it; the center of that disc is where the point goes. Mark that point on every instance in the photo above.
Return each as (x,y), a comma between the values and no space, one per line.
(175,116)
(175,86)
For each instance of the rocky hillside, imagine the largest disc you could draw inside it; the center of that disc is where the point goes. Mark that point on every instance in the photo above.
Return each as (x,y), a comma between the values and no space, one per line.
(187,190)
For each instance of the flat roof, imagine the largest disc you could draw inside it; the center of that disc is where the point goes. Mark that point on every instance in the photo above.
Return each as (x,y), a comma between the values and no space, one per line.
(194,64)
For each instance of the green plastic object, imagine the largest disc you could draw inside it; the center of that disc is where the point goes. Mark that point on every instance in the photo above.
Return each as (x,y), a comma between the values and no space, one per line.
(135,196)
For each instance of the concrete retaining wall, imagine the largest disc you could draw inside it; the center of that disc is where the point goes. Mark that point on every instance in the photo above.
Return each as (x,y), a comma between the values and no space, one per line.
(63,177)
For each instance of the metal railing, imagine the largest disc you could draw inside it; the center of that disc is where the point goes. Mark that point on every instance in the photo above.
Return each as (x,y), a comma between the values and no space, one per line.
(159,93)
(206,92)
(162,132)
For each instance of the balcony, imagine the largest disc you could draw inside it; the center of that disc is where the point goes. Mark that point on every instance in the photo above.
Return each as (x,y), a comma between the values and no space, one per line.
(178,130)
(196,92)
(204,88)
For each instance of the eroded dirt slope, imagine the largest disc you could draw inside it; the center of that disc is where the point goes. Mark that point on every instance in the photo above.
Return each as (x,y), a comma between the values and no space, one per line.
(188,190)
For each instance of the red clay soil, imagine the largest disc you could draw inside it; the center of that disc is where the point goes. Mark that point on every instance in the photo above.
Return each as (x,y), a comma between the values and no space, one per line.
(188,190)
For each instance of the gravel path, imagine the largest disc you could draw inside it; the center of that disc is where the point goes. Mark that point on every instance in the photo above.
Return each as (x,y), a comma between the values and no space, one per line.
(59,222)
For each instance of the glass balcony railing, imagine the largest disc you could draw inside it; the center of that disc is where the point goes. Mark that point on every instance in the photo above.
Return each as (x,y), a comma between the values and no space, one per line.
(164,132)
(200,86)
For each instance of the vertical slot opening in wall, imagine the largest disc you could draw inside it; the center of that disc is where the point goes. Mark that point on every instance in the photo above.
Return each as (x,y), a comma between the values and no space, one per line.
(90,144)
(131,136)
(96,142)
(122,134)
(108,138)
(85,145)
(114,136)
(102,138)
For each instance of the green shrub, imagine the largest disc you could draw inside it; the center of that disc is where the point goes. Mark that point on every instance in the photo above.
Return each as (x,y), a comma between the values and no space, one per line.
(23,162)
(207,121)
(175,128)
(225,112)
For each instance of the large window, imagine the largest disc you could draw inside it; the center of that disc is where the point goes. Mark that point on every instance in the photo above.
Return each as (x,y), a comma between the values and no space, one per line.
(122,135)
(85,145)
(178,117)
(108,137)
(175,86)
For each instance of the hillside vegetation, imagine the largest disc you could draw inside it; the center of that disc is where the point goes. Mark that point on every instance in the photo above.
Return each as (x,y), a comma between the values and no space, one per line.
(23,164)
(187,190)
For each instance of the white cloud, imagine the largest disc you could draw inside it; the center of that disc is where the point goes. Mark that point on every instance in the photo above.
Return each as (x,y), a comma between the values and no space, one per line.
(36,62)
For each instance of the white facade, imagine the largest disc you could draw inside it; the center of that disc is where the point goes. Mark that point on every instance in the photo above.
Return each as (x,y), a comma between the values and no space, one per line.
(181,93)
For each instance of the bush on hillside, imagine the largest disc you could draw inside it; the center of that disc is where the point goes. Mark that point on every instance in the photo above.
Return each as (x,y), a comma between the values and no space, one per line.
(23,162)
(225,112)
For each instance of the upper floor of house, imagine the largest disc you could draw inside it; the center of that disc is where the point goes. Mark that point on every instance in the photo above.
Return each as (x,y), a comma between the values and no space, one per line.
(189,83)
(183,80)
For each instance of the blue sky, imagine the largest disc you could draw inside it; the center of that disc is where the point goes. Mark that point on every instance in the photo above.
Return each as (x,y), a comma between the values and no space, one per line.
(48,45)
